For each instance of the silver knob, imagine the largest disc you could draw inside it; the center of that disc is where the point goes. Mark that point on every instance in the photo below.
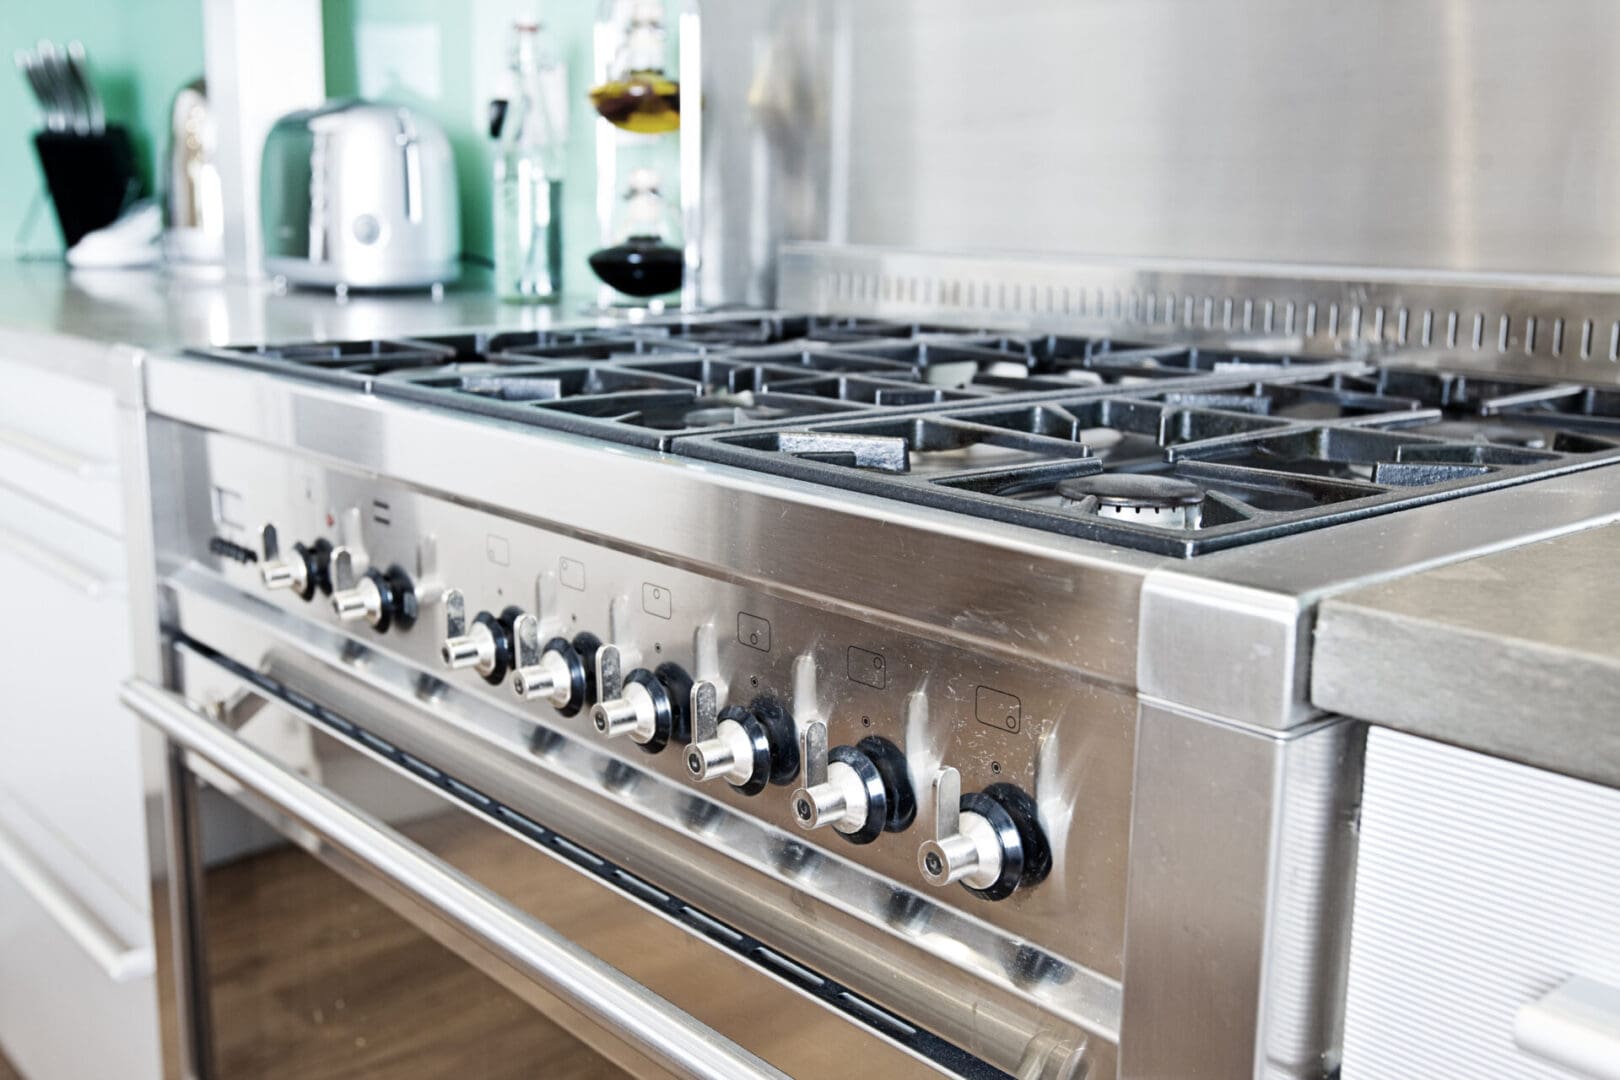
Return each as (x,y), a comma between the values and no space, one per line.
(364,601)
(833,792)
(728,755)
(548,679)
(476,648)
(840,801)
(965,847)
(633,714)
(285,574)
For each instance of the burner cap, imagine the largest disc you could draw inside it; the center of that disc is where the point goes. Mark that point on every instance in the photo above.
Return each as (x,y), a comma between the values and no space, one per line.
(1132,491)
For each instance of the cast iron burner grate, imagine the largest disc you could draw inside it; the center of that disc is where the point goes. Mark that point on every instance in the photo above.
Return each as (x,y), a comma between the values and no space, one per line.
(1187,470)
(651,383)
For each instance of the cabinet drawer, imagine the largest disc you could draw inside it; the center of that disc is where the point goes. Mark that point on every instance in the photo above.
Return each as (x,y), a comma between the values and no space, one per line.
(72,755)
(1486,894)
(59,443)
(74,1002)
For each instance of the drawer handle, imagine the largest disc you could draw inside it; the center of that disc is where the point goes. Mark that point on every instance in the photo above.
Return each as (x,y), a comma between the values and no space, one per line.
(1576,1026)
(59,567)
(674,1039)
(80,465)
(121,962)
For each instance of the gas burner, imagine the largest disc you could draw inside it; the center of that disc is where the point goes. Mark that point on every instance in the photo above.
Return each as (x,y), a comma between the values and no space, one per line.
(1162,501)
(1184,471)
(730,410)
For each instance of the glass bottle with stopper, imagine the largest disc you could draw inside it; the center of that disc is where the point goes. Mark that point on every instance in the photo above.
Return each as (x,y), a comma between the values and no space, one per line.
(638,95)
(530,132)
(643,264)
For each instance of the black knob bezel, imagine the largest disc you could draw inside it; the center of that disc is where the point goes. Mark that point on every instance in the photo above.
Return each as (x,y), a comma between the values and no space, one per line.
(1026,856)
(576,674)
(877,795)
(397,598)
(772,742)
(317,560)
(662,712)
(585,645)
(678,686)
(502,631)
(670,688)
(890,762)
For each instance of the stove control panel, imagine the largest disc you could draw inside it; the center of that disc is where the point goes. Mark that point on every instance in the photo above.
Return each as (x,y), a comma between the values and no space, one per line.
(945,765)
(990,841)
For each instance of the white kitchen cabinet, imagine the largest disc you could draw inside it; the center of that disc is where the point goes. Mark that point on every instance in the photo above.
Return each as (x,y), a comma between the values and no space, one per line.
(76,937)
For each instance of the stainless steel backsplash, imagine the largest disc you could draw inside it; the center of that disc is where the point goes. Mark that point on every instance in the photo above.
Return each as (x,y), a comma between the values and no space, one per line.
(1455,135)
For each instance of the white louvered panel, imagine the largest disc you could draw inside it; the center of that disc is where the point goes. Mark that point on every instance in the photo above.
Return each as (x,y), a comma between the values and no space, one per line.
(1481,886)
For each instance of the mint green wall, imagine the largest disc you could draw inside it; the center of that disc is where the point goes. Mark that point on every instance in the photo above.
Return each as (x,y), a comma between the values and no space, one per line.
(140,54)
(446,58)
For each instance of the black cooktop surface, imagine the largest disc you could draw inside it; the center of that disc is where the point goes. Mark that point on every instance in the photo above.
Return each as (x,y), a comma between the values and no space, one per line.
(1171,449)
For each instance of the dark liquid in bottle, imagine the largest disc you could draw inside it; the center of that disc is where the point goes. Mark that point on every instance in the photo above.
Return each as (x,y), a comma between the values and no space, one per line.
(641,266)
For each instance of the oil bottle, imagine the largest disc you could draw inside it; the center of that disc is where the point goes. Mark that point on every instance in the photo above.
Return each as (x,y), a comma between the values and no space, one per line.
(638,95)
(644,264)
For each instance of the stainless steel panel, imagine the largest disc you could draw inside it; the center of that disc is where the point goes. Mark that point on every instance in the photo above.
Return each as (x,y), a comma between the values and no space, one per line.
(1072,747)
(1558,326)
(1239,896)
(951,972)
(1431,135)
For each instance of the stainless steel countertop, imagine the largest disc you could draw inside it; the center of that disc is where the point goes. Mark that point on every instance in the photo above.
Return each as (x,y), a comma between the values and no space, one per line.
(1516,654)
(42,303)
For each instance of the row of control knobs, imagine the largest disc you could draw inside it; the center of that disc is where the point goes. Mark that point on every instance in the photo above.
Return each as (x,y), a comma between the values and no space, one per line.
(990,841)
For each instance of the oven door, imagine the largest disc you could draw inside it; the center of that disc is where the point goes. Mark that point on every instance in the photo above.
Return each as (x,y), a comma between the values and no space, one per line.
(340,907)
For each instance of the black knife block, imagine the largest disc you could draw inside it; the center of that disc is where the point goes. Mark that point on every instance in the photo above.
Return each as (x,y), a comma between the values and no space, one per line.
(91,178)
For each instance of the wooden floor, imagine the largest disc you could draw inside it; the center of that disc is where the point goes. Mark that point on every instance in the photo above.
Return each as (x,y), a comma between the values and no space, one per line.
(314,979)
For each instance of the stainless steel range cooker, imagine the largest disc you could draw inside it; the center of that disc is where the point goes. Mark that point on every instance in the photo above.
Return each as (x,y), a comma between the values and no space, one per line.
(815,694)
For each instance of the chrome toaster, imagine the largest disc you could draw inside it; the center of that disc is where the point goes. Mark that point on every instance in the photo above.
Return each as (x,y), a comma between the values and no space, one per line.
(359,195)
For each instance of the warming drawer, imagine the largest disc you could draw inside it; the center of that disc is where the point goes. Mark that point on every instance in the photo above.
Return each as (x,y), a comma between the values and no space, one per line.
(1486,936)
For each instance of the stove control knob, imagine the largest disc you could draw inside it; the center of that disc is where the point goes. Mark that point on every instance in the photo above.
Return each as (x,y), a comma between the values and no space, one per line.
(383,598)
(862,791)
(746,747)
(651,708)
(560,672)
(991,841)
(303,570)
(485,646)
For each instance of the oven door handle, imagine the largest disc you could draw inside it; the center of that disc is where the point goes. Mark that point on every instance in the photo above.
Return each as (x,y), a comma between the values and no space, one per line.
(665,1034)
